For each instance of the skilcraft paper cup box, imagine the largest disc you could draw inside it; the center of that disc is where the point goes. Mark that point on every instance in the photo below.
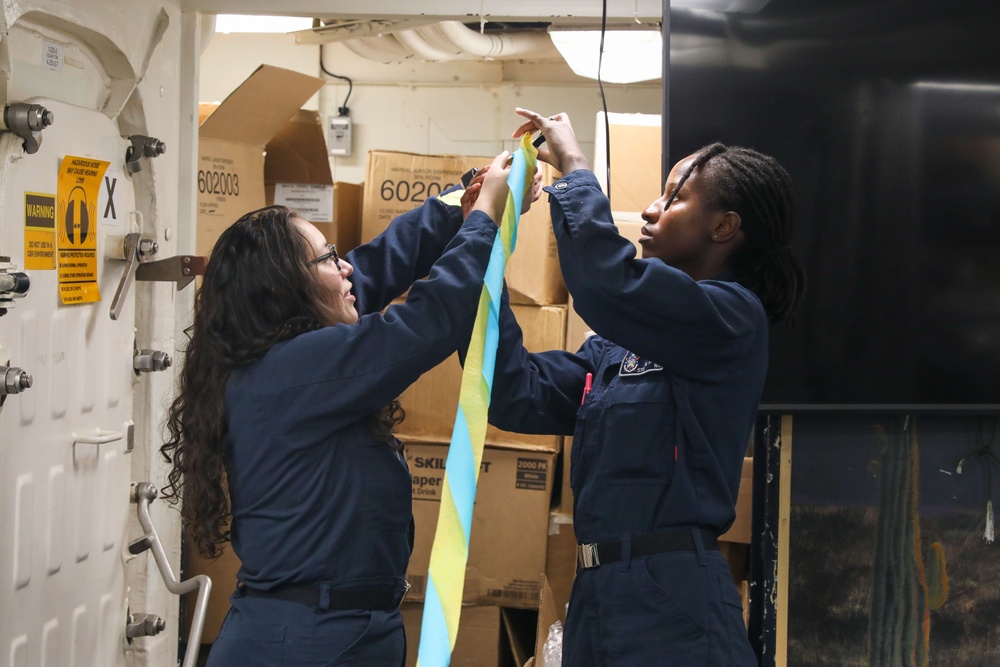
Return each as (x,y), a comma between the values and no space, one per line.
(509,522)
(399,182)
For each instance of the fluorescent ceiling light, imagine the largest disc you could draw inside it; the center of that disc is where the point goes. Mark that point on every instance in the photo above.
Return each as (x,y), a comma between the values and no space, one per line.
(957,86)
(740,6)
(629,55)
(241,23)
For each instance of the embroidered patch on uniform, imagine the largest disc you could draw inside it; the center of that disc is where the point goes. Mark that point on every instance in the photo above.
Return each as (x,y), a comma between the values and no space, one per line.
(633,364)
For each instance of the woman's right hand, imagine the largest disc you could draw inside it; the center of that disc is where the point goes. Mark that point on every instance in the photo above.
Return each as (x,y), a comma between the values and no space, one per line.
(561,149)
(492,197)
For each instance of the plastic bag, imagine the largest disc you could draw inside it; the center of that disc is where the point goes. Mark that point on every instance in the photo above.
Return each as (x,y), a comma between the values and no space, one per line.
(552,651)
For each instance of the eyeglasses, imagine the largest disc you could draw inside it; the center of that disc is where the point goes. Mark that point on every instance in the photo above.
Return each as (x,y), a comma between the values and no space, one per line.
(332,254)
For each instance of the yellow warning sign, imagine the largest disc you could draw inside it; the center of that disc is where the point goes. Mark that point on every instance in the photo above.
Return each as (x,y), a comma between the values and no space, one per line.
(76,223)
(39,231)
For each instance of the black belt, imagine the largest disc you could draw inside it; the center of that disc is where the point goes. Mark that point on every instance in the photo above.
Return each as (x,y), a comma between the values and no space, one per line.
(676,539)
(312,595)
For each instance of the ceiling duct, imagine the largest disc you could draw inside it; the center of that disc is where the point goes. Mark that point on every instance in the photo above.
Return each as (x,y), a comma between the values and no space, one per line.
(512,44)
(439,42)
(385,49)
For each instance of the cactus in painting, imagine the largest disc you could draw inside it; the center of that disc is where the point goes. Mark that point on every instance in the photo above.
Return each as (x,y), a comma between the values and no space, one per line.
(905,588)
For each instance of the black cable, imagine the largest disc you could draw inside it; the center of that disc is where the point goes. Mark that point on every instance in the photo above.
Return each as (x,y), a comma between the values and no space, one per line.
(343,111)
(604,101)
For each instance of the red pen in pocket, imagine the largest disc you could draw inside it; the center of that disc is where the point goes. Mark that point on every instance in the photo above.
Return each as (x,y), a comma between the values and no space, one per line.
(587,384)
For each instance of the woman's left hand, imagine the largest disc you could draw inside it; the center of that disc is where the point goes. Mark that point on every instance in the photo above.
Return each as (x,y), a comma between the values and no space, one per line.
(472,191)
(492,197)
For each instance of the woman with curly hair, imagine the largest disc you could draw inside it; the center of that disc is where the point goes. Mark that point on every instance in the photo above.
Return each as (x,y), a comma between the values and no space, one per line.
(281,439)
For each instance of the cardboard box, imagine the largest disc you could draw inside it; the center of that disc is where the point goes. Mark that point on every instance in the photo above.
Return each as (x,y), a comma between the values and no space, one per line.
(521,626)
(480,634)
(431,402)
(576,329)
(560,561)
(548,616)
(488,636)
(533,274)
(509,523)
(231,144)
(346,228)
(297,168)
(636,147)
(563,499)
(399,182)
(740,530)
(222,572)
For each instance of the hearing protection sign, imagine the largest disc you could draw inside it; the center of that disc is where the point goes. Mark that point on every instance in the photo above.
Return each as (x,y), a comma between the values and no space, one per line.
(39,231)
(76,224)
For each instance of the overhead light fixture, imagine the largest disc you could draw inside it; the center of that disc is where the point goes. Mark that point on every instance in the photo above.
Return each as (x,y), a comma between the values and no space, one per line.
(630,56)
(243,23)
(733,6)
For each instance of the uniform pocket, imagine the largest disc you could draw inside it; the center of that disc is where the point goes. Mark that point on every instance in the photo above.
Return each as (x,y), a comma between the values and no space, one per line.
(638,443)
(351,633)
(680,590)
(659,614)
(242,642)
(740,652)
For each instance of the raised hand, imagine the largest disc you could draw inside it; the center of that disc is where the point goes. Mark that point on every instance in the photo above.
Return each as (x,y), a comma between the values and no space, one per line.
(561,149)
(492,197)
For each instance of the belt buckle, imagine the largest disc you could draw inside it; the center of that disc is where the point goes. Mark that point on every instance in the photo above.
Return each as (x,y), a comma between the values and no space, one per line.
(587,556)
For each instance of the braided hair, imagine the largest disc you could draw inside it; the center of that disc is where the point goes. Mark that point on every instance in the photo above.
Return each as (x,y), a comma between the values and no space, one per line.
(759,189)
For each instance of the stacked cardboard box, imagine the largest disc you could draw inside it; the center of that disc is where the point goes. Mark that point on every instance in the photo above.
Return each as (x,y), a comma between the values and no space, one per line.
(509,524)
(398,182)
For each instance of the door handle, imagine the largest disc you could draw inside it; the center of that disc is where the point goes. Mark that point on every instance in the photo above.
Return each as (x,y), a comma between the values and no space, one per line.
(143,493)
(134,248)
(97,437)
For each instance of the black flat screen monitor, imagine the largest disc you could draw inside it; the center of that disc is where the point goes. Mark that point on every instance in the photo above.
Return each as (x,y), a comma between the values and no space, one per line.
(887,116)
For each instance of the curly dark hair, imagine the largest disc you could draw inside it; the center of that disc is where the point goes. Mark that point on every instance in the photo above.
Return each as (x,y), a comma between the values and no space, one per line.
(757,187)
(258,289)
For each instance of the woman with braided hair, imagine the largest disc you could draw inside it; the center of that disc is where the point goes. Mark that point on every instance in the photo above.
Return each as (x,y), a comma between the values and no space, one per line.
(670,387)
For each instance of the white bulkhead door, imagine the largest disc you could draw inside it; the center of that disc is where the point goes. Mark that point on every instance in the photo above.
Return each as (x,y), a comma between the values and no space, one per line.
(66,441)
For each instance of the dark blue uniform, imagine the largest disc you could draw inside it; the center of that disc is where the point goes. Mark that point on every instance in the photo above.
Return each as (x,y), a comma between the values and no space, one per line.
(317,502)
(658,443)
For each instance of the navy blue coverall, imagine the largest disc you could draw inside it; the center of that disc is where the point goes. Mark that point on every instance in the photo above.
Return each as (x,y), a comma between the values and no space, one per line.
(678,367)
(316,499)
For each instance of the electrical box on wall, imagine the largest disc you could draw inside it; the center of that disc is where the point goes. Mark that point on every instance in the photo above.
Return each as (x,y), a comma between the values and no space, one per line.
(339,135)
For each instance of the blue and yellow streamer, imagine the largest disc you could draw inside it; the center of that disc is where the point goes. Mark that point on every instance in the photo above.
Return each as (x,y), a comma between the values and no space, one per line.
(450,551)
